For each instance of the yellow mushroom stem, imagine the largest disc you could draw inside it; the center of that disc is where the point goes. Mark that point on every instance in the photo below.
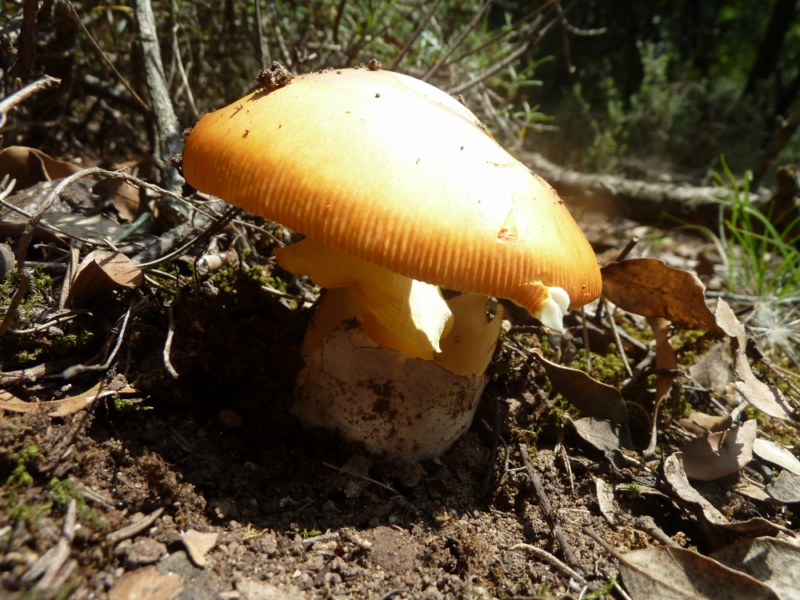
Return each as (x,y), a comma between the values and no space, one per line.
(398,312)
(391,403)
(388,362)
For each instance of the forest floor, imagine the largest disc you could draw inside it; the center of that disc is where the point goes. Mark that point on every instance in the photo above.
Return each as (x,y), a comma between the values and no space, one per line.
(204,486)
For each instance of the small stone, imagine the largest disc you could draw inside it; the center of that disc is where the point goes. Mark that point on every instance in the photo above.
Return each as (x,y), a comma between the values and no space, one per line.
(143,551)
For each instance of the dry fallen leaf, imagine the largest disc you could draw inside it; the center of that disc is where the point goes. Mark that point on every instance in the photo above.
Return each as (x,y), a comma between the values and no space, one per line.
(666,361)
(669,573)
(123,195)
(603,435)
(63,407)
(605,500)
(198,544)
(591,397)
(29,166)
(785,488)
(774,562)
(714,369)
(100,272)
(767,399)
(676,478)
(700,423)
(751,489)
(715,521)
(94,228)
(776,454)
(648,287)
(719,454)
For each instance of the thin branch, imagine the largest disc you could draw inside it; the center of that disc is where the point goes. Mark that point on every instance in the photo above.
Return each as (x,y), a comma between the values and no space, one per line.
(168,344)
(415,36)
(496,68)
(551,560)
(10,102)
(547,509)
(75,370)
(176,52)
(107,61)
(458,41)
(218,224)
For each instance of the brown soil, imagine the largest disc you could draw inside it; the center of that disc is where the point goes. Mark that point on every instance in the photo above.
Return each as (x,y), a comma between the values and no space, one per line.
(299,514)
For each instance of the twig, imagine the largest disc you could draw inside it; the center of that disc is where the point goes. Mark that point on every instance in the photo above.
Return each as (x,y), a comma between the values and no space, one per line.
(181,229)
(603,543)
(547,509)
(26,41)
(495,432)
(72,270)
(497,67)
(325,537)
(561,450)
(534,35)
(168,343)
(516,26)
(627,249)
(9,103)
(32,374)
(417,32)
(287,59)
(615,332)
(75,370)
(585,334)
(49,564)
(439,63)
(649,526)
(115,537)
(67,315)
(338,20)
(344,471)
(107,61)
(551,560)
(176,52)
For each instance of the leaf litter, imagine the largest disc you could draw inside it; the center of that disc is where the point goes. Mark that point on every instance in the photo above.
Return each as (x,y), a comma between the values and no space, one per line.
(160,444)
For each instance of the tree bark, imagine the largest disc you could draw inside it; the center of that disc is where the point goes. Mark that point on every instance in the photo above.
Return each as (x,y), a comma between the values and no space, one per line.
(166,130)
(771,43)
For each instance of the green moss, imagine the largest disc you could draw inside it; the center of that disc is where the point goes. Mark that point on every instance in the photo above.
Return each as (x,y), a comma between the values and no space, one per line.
(634,489)
(62,491)
(126,404)
(20,477)
(608,368)
(19,511)
(603,591)
(310,532)
(225,279)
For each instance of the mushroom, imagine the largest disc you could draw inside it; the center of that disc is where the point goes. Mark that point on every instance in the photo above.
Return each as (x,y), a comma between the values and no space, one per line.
(399,190)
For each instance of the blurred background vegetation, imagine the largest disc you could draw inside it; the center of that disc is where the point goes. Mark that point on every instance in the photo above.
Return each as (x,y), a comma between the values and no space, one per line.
(657,89)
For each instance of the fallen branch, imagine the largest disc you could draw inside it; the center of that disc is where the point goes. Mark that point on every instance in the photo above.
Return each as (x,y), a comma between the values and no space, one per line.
(643,201)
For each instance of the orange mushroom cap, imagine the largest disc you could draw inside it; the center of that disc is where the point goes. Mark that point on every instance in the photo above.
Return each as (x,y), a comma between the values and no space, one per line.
(392,170)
